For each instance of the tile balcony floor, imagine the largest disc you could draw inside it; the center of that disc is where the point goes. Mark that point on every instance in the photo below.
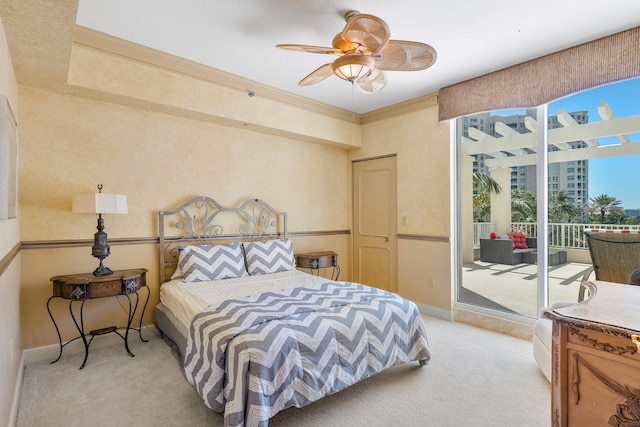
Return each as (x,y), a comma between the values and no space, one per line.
(512,288)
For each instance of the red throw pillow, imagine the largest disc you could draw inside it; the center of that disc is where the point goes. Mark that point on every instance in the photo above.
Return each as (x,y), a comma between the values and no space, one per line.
(519,240)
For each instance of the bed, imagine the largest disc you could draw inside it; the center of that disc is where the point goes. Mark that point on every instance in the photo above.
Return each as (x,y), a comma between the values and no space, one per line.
(253,334)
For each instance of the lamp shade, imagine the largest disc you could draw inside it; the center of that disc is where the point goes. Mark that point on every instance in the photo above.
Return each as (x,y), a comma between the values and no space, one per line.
(352,67)
(99,203)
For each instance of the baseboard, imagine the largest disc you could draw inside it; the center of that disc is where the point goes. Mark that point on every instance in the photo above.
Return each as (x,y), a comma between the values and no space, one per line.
(435,312)
(497,322)
(51,352)
(13,417)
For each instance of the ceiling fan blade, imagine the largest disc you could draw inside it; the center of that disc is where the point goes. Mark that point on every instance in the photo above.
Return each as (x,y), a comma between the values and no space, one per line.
(400,55)
(310,49)
(317,75)
(367,33)
(373,82)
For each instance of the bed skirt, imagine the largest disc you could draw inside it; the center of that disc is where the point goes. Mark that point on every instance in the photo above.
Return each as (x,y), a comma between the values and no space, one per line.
(172,332)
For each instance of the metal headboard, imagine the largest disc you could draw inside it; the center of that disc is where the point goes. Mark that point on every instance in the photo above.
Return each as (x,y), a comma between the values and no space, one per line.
(203,221)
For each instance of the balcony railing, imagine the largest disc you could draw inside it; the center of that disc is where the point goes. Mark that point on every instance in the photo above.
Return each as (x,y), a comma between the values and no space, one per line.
(567,236)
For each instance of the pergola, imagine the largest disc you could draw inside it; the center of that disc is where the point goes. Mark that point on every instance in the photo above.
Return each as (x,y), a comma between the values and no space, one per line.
(517,149)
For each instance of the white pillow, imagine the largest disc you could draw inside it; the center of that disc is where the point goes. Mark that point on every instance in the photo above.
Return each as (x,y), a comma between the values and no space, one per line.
(206,262)
(269,256)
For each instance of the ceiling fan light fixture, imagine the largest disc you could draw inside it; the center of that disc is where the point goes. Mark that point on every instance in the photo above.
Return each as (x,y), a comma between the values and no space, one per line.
(352,67)
(365,52)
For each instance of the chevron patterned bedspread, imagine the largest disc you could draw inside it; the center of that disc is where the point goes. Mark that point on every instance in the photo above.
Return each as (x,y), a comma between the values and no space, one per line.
(253,357)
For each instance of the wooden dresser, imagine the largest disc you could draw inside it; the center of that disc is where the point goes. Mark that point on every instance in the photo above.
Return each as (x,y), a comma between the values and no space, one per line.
(596,358)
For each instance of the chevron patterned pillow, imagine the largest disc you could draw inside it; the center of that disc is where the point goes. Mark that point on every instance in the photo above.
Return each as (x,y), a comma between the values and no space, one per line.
(269,256)
(207,262)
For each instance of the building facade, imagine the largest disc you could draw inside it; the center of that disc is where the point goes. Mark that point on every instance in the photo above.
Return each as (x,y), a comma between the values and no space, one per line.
(571,176)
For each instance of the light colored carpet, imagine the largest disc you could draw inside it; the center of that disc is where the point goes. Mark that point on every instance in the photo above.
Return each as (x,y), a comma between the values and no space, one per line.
(475,378)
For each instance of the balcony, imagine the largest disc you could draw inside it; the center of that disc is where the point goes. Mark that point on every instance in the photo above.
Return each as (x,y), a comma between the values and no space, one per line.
(512,159)
(513,288)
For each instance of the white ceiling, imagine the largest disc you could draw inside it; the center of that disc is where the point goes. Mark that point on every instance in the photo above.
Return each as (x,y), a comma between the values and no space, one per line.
(471,37)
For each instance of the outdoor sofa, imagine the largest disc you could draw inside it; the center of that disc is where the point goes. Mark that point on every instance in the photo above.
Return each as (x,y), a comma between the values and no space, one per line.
(508,249)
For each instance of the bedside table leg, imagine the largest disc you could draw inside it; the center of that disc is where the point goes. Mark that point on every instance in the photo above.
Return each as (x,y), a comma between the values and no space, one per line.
(129,320)
(336,272)
(80,328)
(57,329)
(144,308)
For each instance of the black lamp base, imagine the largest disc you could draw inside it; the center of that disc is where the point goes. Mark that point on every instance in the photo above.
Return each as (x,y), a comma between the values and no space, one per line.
(102,270)
(100,249)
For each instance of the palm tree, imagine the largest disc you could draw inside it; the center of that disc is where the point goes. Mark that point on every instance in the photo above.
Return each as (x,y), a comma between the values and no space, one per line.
(605,204)
(483,183)
(483,186)
(562,207)
(523,206)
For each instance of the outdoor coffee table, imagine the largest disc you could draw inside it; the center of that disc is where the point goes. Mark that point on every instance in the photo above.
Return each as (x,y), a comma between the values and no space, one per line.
(555,257)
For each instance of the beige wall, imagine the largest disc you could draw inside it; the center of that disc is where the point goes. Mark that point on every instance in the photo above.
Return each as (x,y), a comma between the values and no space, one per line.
(70,144)
(188,89)
(10,345)
(9,229)
(422,148)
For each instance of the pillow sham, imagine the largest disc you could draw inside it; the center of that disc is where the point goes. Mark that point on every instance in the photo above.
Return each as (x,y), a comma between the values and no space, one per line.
(269,256)
(212,262)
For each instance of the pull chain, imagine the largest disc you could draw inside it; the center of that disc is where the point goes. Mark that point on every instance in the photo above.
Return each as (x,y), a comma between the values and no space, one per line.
(353,102)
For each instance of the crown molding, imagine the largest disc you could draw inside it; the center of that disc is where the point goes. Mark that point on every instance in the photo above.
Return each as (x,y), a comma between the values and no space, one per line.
(406,107)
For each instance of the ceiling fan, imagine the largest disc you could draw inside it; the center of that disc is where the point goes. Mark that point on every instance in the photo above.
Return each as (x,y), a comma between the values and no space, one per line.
(365,53)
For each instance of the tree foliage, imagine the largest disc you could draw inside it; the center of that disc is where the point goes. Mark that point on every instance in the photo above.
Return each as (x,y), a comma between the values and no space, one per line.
(602,209)
(607,208)
(483,187)
(562,209)
(523,206)
(483,183)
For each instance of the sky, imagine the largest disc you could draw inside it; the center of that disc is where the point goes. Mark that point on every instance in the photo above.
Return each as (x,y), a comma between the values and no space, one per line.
(617,177)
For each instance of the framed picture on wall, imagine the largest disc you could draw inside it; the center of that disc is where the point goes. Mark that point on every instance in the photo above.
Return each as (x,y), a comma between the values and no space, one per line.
(8,161)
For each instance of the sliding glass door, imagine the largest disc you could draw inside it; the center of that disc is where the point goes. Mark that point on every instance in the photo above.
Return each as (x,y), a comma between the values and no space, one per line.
(498,193)
(530,181)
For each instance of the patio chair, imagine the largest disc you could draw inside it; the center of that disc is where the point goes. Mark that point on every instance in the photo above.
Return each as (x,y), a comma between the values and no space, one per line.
(614,256)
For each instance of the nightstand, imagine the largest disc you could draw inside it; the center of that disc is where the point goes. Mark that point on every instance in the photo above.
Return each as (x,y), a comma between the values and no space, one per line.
(317,260)
(83,287)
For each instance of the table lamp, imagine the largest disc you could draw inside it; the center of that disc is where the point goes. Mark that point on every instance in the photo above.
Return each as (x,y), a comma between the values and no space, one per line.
(99,203)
